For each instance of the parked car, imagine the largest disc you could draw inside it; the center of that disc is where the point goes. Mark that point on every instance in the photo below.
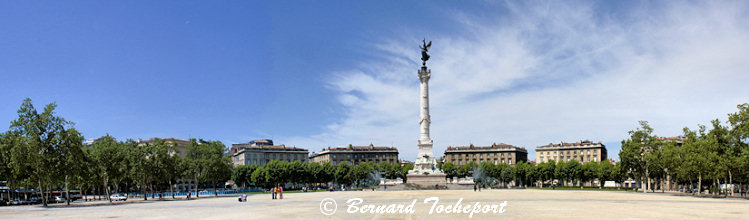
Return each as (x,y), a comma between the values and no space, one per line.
(118,197)
(33,201)
(24,202)
(59,199)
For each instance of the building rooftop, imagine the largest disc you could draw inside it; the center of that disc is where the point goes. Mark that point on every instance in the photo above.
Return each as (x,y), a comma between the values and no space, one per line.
(262,145)
(282,147)
(678,139)
(495,146)
(176,140)
(266,142)
(585,143)
(352,148)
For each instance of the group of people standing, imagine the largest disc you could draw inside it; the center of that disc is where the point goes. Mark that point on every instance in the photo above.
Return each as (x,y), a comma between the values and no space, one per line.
(277,192)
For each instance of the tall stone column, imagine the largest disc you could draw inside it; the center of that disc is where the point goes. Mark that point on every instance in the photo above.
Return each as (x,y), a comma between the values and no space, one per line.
(425,173)
(425,142)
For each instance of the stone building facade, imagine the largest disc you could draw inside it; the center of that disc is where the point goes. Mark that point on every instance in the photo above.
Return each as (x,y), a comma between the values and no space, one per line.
(356,154)
(495,153)
(261,152)
(583,151)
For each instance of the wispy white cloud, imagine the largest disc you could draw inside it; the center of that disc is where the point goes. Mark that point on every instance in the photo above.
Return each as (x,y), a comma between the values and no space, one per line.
(548,73)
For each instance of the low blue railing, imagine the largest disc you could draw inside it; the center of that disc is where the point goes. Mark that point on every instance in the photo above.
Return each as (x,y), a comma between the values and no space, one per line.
(202,193)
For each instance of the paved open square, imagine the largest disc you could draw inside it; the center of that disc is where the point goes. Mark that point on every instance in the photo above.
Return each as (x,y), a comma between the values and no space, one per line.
(521,204)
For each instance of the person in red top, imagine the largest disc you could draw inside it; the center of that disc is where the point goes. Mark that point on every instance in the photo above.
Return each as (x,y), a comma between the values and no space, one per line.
(280,192)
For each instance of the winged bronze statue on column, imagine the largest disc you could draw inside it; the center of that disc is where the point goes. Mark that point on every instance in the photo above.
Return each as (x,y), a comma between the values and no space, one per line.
(424,50)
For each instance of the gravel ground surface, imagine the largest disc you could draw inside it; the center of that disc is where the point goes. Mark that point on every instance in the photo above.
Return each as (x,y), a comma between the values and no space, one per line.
(521,204)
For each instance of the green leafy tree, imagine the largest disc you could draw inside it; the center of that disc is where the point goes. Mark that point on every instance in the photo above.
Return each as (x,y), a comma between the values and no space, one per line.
(507,175)
(533,174)
(603,172)
(217,164)
(258,177)
(694,151)
(635,152)
(72,159)
(342,169)
(588,172)
(276,172)
(314,173)
(12,168)
(521,172)
(403,172)
(242,174)
(672,160)
(547,171)
(618,174)
(466,169)
(384,168)
(739,123)
(328,173)
(562,172)
(108,159)
(450,170)
(143,169)
(42,135)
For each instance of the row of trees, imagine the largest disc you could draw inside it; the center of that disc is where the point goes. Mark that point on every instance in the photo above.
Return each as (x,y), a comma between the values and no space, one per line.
(524,174)
(282,172)
(369,174)
(718,155)
(44,151)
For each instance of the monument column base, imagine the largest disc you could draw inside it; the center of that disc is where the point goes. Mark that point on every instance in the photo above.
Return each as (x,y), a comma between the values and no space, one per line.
(426,181)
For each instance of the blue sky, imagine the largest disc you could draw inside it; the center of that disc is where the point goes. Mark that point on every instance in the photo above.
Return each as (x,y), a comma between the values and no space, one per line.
(326,73)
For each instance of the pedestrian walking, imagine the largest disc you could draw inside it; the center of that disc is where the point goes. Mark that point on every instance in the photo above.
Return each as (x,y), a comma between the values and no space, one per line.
(273,191)
(280,191)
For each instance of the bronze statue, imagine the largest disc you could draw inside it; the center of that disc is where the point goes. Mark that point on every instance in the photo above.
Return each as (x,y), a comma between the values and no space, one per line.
(424,50)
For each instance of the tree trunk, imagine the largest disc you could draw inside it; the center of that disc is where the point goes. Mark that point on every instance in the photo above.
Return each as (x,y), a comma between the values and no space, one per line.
(716,182)
(106,189)
(730,181)
(215,194)
(171,188)
(647,181)
(67,191)
(44,200)
(699,184)
(196,187)
(143,188)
